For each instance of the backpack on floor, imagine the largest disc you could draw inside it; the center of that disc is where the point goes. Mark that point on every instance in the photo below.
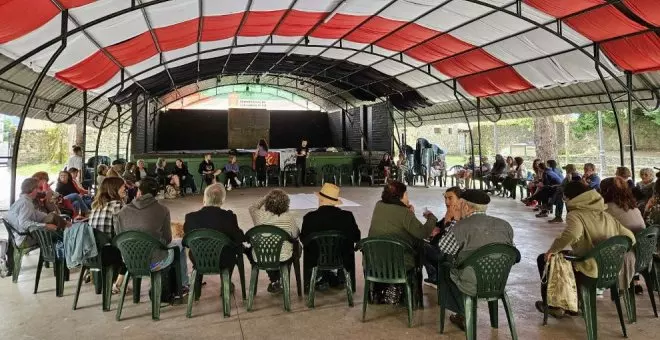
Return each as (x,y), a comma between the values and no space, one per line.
(4,258)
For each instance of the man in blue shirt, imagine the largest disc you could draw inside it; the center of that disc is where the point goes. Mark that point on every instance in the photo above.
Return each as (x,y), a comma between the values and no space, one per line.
(551,181)
(558,198)
(590,177)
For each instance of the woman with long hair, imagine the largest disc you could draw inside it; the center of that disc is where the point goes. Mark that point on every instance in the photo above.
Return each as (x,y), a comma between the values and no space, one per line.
(109,199)
(496,174)
(181,172)
(534,185)
(515,175)
(260,161)
(163,177)
(67,189)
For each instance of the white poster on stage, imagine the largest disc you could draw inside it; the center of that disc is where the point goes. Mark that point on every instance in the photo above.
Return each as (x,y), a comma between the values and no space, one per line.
(310,201)
(287,156)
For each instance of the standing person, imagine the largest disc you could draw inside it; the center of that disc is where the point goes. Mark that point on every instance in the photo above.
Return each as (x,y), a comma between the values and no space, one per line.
(260,161)
(301,161)
(76,161)
(207,170)
(385,165)
(231,173)
(591,178)
(329,217)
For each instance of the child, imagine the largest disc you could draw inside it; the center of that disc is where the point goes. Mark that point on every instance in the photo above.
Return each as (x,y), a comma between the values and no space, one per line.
(231,173)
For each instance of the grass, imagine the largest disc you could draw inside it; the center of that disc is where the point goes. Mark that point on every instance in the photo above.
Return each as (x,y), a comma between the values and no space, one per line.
(29,170)
(452,160)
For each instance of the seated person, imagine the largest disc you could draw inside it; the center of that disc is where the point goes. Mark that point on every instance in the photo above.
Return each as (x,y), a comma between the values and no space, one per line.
(591,178)
(643,191)
(474,230)
(145,214)
(515,176)
(101,171)
(437,169)
(652,210)
(46,200)
(551,181)
(329,217)
(442,243)
(587,223)
(626,175)
(385,166)
(273,210)
(208,170)
(212,216)
(496,175)
(558,198)
(186,180)
(67,188)
(534,185)
(129,172)
(109,200)
(119,166)
(141,171)
(552,165)
(231,173)
(163,177)
(22,215)
(394,216)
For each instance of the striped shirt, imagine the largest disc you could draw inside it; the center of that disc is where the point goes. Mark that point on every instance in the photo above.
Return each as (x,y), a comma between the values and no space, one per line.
(286,222)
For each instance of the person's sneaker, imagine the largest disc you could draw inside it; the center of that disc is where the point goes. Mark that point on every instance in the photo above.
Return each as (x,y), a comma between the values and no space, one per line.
(431,283)
(458,320)
(542,214)
(274,287)
(228,187)
(600,292)
(556,220)
(238,182)
(639,290)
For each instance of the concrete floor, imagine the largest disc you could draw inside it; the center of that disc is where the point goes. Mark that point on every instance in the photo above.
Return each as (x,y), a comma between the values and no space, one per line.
(43,316)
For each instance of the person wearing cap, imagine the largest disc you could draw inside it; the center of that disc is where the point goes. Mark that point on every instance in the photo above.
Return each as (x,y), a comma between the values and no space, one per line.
(474,230)
(329,217)
(587,223)
(558,198)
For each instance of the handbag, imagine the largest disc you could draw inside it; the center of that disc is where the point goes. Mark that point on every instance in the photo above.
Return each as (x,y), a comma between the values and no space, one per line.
(560,278)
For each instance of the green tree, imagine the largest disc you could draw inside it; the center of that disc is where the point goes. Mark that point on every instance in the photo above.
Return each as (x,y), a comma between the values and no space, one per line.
(56,140)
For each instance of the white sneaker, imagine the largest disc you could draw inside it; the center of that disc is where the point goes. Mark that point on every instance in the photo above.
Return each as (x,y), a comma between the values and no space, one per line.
(238,182)
(228,187)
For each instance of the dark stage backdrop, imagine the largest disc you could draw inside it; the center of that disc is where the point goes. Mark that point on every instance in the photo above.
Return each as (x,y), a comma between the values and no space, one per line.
(209,130)
(287,128)
(192,130)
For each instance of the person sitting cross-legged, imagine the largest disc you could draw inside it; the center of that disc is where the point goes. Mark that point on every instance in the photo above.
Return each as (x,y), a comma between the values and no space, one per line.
(212,216)
(587,224)
(443,241)
(147,215)
(273,210)
(329,217)
(474,230)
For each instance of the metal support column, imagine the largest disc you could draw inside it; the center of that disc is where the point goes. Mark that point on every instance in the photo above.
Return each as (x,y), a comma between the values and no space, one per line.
(609,97)
(98,138)
(481,183)
(28,103)
(631,133)
(84,136)
(404,139)
(146,124)
(118,134)
(128,142)
(467,120)
(601,145)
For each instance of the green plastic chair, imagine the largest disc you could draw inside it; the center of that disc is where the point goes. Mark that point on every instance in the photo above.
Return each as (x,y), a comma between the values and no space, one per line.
(47,240)
(267,244)
(136,249)
(383,262)
(645,247)
(16,251)
(346,171)
(365,172)
(609,260)
(492,264)
(105,272)
(330,245)
(329,173)
(207,246)
(290,173)
(247,175)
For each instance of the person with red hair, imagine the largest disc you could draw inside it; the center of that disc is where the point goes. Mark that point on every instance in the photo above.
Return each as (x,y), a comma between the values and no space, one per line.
(621,203)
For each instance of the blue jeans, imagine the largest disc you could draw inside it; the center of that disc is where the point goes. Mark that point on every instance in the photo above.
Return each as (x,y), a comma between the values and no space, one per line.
(183,262)
(79,202)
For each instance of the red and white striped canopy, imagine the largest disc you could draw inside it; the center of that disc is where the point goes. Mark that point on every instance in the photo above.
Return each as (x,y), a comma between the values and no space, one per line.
(489,47)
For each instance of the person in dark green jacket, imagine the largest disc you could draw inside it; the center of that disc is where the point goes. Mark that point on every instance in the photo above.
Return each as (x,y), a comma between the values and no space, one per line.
(394,216)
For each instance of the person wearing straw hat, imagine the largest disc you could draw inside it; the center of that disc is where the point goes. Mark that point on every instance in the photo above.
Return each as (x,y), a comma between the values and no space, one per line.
(329,217)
